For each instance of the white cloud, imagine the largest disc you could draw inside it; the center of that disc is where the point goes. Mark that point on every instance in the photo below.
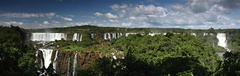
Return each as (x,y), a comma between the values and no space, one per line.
(55,21)
(98,14)
(12,23)
(191,15)
(122,13)
(67,19)
(115,6)
(178,7)
(111,16)
(132,18)
(113,20)
(126,24)
(149,10)
(27,15)
(45,22)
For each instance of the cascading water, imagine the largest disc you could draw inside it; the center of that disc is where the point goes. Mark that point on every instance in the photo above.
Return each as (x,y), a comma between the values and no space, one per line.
(114,35)
(36,55)
(222,40)
(47,54)
(105,36)
(74,65)
(223,43)
(55,62)
(118,35)
(81,37)
(68,70)
(92,35)
(48,36)
(42,64)
(76,37)
(109,36)
(126,34)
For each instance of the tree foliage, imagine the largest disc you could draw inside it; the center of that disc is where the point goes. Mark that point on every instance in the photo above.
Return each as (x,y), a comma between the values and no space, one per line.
(159,55)
(17,57)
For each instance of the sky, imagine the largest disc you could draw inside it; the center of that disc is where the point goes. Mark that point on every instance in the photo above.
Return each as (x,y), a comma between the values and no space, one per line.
(188,14)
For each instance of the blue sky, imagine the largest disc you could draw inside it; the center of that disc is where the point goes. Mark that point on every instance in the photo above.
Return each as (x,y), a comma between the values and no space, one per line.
(194,14)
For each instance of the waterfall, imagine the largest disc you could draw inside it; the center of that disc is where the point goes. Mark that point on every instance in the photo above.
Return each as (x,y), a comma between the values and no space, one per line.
(74,65)
(81,37)
(114,35)
(108,36)
(47,54)
(36,55)
(204,34)
(105,36)
(222,40)
(76,37)
(92,35)
(130,34)
(68,71)
(164,33)
(42,64)
(194,34)
(151,34)
(55,62)
(127,34)
(48,36)
(118,35)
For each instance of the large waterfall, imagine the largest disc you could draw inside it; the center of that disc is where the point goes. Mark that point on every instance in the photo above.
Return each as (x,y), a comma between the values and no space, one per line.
(222,40)
(48,36)
(47,54)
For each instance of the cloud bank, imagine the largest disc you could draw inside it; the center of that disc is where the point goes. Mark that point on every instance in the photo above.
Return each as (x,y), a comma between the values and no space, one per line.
(194,14)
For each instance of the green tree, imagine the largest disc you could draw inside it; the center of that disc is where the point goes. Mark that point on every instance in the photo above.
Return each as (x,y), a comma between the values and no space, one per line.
(14,52)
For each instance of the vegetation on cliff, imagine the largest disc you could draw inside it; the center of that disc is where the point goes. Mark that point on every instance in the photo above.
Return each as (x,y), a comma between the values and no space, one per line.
(144,55)
(159,55)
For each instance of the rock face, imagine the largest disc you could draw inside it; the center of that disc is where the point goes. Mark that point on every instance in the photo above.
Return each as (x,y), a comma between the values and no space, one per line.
(64,63)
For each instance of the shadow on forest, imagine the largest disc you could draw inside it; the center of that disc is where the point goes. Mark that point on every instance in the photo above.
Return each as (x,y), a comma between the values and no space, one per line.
(130,66)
